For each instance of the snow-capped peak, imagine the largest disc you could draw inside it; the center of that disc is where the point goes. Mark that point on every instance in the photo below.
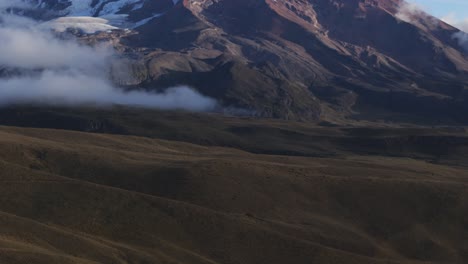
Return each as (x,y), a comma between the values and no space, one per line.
(117,13)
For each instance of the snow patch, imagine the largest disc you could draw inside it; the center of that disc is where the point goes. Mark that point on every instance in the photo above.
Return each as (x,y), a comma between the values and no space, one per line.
(103,7)
(146,20)
(88,25)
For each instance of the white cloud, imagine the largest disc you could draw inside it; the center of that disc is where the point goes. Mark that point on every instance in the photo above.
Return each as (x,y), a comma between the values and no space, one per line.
(462,38)
(67,88)
(462,35)
(408,11)
(52,70)
(31,48)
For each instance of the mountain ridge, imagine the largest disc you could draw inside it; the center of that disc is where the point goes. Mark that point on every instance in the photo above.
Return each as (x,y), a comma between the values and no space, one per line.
(309,60)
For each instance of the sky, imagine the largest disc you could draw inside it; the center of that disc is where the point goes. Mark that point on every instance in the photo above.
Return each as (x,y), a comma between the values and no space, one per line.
(452,11)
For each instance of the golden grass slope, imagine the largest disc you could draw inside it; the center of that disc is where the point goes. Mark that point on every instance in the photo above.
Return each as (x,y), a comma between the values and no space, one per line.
(71,197)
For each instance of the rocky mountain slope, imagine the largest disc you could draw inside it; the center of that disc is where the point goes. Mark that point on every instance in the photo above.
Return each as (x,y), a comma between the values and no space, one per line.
(300,59)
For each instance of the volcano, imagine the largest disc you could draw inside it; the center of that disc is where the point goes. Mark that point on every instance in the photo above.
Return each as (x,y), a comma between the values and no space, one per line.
(294,59)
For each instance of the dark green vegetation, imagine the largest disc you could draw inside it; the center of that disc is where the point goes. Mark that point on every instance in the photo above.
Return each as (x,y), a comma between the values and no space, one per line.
(172,187)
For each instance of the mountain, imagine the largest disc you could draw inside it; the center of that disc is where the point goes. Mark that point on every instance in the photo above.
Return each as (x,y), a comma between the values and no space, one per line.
(295,59)
(371,168)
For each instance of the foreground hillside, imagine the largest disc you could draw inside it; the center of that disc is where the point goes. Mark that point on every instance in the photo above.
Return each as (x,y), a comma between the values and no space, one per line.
(74,197)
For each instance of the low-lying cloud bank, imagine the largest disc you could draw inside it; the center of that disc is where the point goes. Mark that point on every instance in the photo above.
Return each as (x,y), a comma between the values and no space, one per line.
(52,70)
(58,88)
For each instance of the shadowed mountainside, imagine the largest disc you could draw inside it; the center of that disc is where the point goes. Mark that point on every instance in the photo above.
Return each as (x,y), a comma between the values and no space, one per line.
(263,136)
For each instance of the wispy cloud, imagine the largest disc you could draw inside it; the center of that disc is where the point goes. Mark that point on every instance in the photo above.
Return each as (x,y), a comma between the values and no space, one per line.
(462,35)
(409,11)
(52,70)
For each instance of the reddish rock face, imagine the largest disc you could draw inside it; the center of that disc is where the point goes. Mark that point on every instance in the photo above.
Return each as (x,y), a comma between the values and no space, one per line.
(295,58)
(423,45)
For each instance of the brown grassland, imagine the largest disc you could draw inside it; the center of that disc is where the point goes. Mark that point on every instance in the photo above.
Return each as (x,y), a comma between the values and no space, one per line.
(240,191)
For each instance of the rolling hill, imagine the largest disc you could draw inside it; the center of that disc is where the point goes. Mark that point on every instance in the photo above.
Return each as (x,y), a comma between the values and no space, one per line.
(339,196)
